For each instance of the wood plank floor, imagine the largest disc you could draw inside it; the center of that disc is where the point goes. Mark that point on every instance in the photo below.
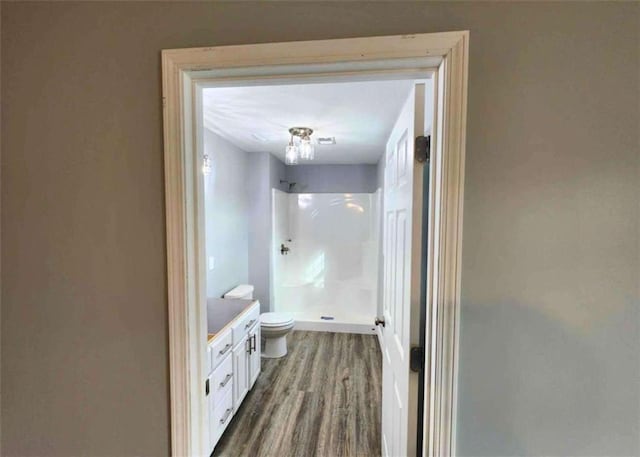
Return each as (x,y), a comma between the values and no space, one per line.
(322,399)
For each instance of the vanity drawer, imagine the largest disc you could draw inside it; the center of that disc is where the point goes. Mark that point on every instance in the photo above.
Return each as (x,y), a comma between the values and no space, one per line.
(220,417)
(222,380)
(241,328)
(221,347)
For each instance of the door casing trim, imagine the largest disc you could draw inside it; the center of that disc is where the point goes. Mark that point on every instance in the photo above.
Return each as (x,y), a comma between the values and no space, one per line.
(185,266)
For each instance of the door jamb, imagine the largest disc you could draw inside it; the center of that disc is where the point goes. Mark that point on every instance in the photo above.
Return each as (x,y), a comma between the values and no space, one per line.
(187,316)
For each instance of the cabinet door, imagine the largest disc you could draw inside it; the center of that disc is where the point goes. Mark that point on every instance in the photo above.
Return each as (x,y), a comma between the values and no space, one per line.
(254,356)
(240,372)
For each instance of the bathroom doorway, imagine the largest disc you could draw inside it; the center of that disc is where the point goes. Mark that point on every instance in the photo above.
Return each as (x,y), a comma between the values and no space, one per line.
(314,199)
(308,228)
(188,72)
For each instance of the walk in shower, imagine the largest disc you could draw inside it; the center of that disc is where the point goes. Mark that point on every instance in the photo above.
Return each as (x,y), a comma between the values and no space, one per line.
(325,259)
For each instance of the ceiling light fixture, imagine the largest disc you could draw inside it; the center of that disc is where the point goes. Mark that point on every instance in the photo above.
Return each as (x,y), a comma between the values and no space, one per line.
(299,146)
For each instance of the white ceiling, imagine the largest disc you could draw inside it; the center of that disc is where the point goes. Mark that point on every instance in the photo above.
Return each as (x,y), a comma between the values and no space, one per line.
(359,115)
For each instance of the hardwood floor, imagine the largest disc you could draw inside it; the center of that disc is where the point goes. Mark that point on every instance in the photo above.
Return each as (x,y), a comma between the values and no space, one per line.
(322,399)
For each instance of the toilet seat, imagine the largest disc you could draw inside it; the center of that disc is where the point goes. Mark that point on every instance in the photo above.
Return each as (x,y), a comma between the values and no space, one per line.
(276,319)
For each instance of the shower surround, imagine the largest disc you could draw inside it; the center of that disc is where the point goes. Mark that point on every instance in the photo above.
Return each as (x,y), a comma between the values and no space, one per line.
(328,277)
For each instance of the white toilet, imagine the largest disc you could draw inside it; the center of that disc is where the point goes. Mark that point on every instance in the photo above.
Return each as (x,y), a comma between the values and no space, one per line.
(274,328)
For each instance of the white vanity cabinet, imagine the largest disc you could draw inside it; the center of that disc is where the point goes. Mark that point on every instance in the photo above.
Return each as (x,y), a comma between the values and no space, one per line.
(219,385)
(234,363)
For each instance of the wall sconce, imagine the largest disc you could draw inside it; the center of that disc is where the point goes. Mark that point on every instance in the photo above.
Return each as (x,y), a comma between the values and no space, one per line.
(206,164)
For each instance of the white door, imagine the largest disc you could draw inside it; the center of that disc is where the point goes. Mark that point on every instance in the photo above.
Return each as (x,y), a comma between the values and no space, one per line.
(254,354)
(401,293)
(240,372)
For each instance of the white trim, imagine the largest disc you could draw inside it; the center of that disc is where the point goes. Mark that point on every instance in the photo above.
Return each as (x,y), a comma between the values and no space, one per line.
(181,70)
(445,249)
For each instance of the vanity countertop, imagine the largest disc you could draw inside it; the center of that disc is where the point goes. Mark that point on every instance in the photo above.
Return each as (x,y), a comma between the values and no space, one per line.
(221,312)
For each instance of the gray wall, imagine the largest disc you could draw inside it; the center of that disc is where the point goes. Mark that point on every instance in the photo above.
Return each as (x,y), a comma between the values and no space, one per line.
(264,173)
(380,173)
(277,173)
(549,331)
(226,215)
(332,178)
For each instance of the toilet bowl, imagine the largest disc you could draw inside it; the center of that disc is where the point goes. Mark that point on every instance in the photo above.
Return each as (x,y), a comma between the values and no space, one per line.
(274,328)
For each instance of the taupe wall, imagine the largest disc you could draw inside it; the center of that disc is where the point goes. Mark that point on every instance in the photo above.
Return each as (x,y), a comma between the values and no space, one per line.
(549,333)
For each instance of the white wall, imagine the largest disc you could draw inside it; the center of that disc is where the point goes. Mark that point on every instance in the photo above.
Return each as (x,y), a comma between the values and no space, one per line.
(226,215)
(332,266)
(264,173)
(280,235)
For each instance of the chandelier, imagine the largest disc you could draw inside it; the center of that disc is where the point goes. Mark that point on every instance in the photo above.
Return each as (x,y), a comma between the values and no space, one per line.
(299,146)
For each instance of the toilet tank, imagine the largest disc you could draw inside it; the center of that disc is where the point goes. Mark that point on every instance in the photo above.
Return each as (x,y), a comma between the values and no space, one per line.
(242,291)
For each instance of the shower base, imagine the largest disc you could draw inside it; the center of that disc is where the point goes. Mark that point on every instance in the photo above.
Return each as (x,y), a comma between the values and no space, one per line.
(333,323)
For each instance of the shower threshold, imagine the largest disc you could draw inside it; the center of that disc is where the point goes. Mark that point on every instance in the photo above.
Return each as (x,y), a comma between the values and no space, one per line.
(332,325)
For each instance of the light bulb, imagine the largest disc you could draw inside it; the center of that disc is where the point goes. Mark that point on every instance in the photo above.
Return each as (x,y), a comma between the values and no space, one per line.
(306,149)
(291,154)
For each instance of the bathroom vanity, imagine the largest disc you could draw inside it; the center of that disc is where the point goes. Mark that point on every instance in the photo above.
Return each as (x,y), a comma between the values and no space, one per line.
(233,357)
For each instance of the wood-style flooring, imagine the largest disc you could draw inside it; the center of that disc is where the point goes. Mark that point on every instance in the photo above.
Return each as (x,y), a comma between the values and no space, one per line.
(322,399)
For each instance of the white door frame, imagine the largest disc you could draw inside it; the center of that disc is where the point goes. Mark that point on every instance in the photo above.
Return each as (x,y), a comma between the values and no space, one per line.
(181,68)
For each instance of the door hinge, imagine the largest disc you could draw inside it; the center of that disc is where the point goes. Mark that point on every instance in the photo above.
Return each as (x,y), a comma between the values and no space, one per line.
(423,148)
(416,359)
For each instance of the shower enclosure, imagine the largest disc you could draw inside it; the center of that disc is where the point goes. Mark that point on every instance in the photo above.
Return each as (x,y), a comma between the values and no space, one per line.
(325,259)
